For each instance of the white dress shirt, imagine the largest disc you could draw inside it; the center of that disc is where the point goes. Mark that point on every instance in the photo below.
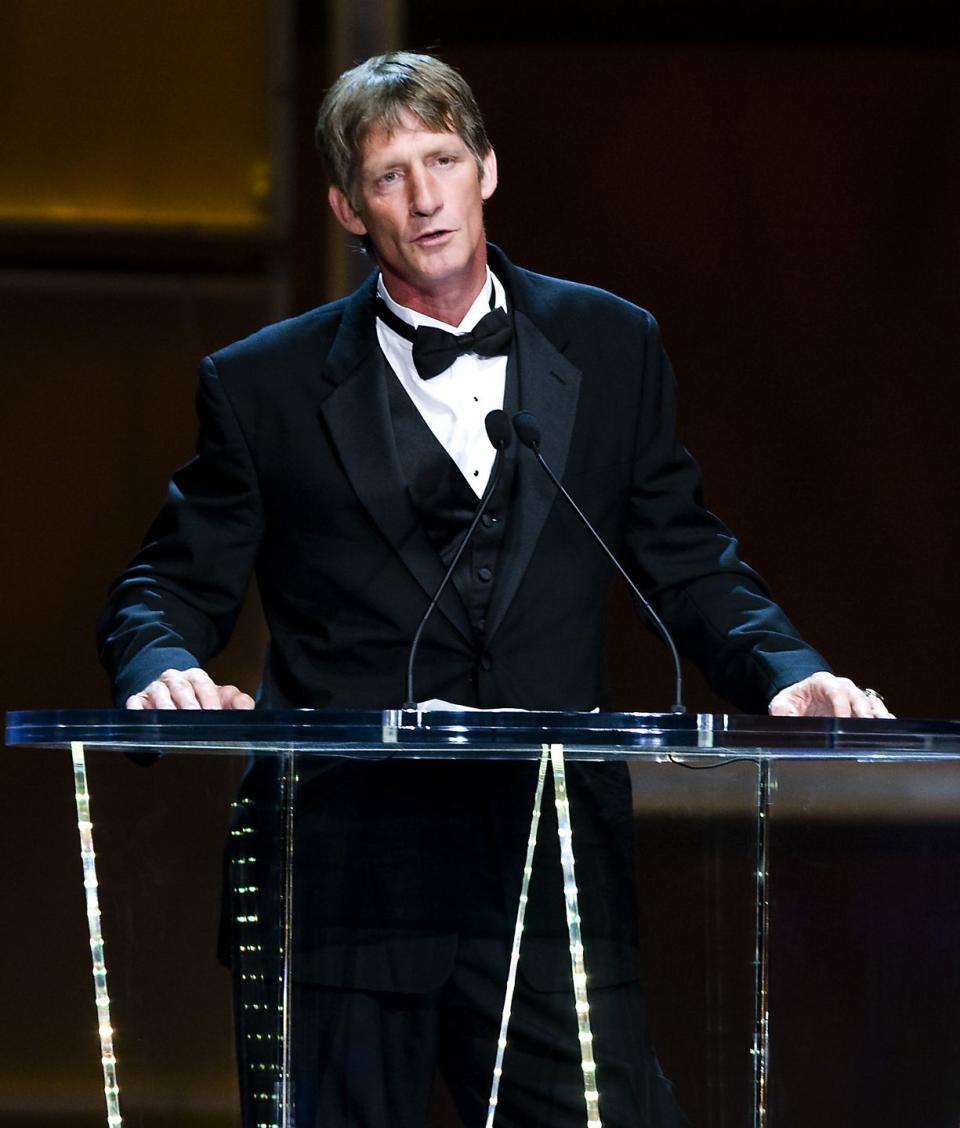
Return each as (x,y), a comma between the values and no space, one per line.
(455,403)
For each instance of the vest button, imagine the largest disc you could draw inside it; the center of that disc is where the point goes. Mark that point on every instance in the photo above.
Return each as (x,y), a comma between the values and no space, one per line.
(485,574)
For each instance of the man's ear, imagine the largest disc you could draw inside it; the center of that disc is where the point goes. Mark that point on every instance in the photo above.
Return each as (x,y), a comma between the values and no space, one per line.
(344,212)
(488,175)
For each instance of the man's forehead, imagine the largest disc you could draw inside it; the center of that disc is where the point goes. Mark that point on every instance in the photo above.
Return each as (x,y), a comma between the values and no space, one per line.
(382,135)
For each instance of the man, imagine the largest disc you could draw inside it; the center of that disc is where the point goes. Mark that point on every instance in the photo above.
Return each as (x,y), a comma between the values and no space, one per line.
(343,467)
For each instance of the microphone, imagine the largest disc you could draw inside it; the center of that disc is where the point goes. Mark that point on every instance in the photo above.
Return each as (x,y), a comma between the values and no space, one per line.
(499,431)
(528,432)
(500,434)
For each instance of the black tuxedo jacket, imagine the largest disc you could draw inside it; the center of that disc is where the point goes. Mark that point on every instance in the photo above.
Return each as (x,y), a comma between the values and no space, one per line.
(297,480)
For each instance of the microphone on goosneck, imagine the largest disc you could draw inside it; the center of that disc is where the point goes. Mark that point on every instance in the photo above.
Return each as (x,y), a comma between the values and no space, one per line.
(528,432)
(500,434)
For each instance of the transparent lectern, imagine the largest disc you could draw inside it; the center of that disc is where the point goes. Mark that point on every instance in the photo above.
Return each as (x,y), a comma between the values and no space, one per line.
(796,909)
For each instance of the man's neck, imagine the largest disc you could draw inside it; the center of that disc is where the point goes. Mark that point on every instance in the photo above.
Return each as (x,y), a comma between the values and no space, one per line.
(448,303)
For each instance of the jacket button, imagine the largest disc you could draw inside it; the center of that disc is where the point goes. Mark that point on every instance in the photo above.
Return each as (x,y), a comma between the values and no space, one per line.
(486,662)
(488,520)
(485,574)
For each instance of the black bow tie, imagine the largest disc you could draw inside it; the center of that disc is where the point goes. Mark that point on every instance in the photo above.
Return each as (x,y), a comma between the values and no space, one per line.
(434,350)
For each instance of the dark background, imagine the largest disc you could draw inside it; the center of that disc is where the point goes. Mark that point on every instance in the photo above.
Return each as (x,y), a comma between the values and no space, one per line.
(779,184)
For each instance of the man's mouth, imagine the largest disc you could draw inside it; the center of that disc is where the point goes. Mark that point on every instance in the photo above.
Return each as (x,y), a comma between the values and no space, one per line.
(430,237)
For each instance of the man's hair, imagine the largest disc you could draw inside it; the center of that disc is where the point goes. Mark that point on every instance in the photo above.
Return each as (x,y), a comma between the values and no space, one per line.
(376,93)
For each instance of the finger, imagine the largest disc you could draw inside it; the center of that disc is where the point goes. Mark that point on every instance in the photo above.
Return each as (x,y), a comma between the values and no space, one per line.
(878,708)
(156,696)
(825,700)
(134,701)
(863,706)
(180,690)
(204,688)
(840,705)
(807,698)
(233,698)
(784,705)
(845,697)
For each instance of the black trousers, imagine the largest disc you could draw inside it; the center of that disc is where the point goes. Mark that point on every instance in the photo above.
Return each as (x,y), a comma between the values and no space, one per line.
(368,1059)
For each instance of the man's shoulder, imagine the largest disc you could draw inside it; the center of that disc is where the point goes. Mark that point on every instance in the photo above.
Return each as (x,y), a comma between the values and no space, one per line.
(308,334)
(562,302)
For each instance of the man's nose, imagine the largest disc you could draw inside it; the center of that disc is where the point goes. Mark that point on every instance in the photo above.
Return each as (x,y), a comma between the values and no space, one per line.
(424,193)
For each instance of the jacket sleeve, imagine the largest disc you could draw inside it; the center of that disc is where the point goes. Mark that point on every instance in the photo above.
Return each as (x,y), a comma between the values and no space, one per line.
(718,608)
(176,604)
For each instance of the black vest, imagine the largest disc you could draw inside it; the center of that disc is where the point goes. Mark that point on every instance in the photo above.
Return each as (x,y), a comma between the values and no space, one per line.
(445,502)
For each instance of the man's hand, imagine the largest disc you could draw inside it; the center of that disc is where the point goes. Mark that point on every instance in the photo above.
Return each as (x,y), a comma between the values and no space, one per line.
(189,689)
(824,695)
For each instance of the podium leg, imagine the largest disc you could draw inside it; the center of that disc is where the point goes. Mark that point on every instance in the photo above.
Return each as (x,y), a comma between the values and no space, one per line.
(590,1095)
(517,933)
(552,755)
(89,863)
(761,1036)
(285,1096)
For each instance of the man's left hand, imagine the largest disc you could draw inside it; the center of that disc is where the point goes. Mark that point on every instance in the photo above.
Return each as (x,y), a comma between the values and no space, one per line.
(824,695)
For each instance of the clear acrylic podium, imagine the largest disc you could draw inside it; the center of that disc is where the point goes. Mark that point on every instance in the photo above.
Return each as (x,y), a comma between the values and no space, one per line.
(798,896)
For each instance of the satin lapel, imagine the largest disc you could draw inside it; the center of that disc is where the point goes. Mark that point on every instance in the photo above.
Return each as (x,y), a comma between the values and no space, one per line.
(357,417)
(549,390)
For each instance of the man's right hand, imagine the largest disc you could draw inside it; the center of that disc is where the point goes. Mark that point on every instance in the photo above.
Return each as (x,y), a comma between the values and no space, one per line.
(189,689)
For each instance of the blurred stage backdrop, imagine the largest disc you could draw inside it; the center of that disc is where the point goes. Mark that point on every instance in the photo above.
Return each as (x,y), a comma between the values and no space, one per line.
(779,184)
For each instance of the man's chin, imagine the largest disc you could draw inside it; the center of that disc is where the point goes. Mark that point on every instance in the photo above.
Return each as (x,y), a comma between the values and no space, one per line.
(429,270)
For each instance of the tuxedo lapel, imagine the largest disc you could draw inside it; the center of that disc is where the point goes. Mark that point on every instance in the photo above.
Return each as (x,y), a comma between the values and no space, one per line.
(549,390)
(357,417)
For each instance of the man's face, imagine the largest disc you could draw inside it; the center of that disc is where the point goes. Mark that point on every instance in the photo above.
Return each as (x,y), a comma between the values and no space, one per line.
(420,200)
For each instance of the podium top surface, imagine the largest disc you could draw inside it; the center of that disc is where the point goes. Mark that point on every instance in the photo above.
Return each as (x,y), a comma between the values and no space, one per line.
(494,734)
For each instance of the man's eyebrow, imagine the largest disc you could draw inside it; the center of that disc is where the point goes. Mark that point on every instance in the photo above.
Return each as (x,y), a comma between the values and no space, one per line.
(451,144)
(377,168)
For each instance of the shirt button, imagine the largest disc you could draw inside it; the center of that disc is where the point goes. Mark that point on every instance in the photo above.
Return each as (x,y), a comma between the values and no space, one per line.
(485,574)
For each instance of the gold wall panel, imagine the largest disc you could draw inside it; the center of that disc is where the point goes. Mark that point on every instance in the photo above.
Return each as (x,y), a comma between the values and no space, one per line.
(116,113)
